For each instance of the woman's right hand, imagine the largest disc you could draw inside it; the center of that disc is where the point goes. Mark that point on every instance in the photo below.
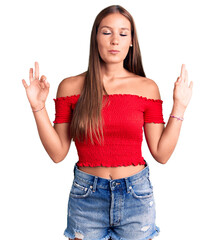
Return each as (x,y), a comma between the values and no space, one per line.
(38,90)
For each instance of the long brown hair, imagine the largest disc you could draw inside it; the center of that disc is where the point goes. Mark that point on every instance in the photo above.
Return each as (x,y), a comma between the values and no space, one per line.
(87,117)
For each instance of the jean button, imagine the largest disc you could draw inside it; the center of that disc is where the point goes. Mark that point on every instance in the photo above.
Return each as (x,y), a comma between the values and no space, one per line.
(114,184)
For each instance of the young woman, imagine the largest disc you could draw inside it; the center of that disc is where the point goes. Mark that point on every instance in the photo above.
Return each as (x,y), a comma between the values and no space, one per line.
(104,111)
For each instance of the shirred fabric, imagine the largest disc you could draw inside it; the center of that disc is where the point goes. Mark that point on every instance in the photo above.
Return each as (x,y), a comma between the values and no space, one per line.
(124,117)
(154,112)
(63,108)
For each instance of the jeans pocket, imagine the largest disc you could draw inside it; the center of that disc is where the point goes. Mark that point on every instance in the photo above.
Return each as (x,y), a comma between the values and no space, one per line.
(80,189)
(142,188)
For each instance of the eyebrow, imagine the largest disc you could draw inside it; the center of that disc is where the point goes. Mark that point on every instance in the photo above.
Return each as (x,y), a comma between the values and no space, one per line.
(123,28)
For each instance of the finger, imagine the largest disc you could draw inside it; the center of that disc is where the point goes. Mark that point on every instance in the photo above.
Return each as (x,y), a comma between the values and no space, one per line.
(47,84)
(31,74)
(36,70)
(186,76)
(24,83)
(179,80)
(43,78)
(182,75)
(191,85)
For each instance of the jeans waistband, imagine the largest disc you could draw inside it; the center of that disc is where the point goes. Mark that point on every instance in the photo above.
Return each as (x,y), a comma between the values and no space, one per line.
(110,183)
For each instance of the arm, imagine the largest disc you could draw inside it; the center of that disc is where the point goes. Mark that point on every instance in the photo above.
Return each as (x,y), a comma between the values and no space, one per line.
(162,140)
(54,139)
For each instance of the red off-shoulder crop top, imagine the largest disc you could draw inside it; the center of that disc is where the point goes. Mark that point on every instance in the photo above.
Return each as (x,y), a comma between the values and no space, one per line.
(124,118)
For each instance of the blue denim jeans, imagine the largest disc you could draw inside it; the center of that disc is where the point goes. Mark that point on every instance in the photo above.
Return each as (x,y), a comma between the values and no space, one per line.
(100,208)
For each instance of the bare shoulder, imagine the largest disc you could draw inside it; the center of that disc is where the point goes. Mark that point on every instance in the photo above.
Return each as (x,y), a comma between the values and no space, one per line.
(71,85)
(149,88)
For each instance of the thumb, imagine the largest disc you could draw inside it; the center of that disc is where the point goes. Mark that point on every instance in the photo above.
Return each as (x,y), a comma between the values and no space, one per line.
(47,83)
(178,80)
(191,85)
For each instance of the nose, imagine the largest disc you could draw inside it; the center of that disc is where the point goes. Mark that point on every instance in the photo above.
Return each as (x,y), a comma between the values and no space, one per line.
(114,40)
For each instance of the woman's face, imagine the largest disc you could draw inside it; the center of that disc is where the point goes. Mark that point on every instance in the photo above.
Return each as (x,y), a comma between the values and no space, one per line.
(114,38)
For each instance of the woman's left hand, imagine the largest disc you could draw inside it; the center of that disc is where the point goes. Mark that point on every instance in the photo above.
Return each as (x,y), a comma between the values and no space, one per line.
(182,92)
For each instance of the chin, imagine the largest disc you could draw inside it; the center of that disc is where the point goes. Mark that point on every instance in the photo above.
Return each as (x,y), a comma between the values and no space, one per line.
(113,61)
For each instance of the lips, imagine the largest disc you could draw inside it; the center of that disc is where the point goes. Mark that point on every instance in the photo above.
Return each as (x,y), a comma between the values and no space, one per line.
(113,51)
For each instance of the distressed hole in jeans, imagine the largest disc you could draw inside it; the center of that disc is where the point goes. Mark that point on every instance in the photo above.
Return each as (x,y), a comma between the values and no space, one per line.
(145,228)
(79,235)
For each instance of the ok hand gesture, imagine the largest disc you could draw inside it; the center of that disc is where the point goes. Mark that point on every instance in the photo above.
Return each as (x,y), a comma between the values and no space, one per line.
(38,90)
(182,92)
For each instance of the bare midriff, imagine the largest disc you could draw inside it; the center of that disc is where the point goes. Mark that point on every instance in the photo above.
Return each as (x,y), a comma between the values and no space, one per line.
(113,172)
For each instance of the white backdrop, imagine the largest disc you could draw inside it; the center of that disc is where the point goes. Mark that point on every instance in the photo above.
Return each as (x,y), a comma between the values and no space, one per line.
(34,190)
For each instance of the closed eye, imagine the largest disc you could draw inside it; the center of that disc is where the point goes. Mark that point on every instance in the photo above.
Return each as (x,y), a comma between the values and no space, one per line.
(123,35)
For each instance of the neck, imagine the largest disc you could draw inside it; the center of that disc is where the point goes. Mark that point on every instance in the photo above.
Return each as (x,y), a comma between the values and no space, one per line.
(111,71)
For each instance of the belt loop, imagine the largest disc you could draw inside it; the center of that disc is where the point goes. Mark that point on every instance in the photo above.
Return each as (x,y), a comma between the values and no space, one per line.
(127,185)
(94,183)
